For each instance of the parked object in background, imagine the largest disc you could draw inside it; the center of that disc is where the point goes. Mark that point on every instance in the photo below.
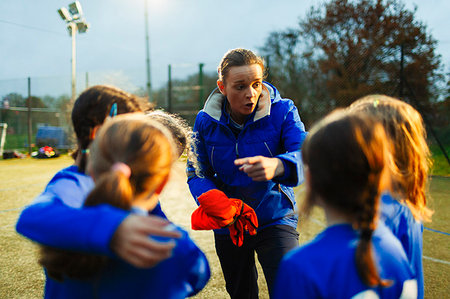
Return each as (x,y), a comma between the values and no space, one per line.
(45,152)
(12,154)
(55,137)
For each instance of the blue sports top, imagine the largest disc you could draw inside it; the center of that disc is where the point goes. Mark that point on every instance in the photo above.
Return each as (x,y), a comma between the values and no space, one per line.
(326,268)
(184,274)
(55,218)
(399,219)
(55,215)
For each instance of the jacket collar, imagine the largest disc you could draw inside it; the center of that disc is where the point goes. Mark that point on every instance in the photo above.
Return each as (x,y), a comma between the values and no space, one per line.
(215,101)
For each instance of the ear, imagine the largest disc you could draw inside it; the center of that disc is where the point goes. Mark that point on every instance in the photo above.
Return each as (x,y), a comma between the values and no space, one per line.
(94,132)
(221,87)
(160,188)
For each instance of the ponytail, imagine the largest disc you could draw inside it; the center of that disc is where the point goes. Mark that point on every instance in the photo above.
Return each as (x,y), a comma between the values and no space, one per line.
(131,156)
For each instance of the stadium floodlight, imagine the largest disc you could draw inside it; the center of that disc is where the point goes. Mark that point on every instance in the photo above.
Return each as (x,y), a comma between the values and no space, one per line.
(82,27)
(74,18)
(64,13)
(75,9)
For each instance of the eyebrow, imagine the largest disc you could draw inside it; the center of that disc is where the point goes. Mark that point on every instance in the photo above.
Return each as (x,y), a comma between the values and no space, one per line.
(240,81)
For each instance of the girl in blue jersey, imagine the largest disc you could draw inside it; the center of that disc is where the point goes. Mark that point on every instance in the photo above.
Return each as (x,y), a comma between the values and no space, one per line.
(130,161)
(404,210)
(55,218)
(345,157)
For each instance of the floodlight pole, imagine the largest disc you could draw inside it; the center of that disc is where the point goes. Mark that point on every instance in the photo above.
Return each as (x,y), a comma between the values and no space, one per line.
(74,18)
(147,43)
(73,28)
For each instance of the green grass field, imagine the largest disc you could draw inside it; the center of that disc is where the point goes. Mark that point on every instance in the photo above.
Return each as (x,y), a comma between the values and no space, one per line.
(21,277)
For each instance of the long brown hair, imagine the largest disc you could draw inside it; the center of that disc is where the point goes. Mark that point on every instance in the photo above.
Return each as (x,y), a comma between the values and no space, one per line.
(405,129)
(146,148)
(91,109)
(346,156)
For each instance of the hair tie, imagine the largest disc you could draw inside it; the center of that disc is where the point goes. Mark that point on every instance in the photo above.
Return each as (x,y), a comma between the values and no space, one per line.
(123,168)
(113,111)
(85,151)
(375,103)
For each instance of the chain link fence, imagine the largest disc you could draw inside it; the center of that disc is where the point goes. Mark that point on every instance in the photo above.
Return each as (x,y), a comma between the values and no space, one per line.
(185,92)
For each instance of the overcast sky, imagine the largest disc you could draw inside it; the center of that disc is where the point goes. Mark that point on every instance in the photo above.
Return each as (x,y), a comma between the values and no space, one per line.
(34,41)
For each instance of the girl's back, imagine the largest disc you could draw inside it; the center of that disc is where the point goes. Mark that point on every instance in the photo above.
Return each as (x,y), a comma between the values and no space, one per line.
(326,268)
(184,274)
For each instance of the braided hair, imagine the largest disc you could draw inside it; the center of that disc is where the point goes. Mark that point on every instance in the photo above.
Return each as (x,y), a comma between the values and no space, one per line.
(346,155)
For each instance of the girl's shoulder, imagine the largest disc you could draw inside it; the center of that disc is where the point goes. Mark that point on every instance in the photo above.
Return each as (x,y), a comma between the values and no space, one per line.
(397,216)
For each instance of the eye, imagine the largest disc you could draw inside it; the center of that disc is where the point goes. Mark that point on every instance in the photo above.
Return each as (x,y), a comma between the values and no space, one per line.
(256,84)
(240,87)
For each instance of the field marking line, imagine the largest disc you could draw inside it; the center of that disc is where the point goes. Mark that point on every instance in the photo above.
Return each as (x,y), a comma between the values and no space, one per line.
(436,231)
(436,260)
(7,226)
(9,210)
(20,187)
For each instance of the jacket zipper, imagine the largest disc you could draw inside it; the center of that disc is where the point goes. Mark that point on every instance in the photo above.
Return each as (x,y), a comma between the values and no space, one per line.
(270,152)
(212,161)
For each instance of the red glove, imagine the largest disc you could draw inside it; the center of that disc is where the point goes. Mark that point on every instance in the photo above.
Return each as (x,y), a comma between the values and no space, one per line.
(216,211)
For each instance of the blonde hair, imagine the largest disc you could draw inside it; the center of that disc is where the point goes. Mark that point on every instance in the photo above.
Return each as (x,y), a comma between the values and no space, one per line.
(405,130)
(346,155)
(177,126)
(146,148)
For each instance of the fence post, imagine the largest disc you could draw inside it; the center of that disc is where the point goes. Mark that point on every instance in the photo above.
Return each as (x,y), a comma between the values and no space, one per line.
(169,90)
(29,116)
(200,85)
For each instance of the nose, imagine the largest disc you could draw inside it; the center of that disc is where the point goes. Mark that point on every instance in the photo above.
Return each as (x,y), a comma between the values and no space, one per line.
(251,92)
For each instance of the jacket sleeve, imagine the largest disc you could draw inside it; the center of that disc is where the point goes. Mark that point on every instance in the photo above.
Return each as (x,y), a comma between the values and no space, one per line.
(200,173)
(292,135)
(195,264)
(50,221)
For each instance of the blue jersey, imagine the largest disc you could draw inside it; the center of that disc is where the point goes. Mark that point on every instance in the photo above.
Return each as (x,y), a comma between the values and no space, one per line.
(55,215)
(399,219)
(326,268)
(184,274)
(56,219)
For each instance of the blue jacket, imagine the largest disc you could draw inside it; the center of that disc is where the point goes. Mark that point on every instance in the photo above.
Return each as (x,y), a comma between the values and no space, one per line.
(56,219)
(400,220)
(326,267)
(274,129)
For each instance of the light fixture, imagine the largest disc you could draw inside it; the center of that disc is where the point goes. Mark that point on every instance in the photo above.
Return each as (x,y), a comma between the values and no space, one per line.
(74,18)
(75,9)
(64,13)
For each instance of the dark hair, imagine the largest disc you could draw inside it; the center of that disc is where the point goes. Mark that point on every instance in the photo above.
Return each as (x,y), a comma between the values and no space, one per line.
(346,155)
(238,57)
(91,109)
(406,131)
(146,147)
(177,126)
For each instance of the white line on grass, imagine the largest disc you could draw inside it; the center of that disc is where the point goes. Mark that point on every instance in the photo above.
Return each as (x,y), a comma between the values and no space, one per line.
(435,260)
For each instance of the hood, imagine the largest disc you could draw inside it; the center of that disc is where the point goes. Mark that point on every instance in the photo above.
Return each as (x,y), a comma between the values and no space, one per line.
(269,94)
